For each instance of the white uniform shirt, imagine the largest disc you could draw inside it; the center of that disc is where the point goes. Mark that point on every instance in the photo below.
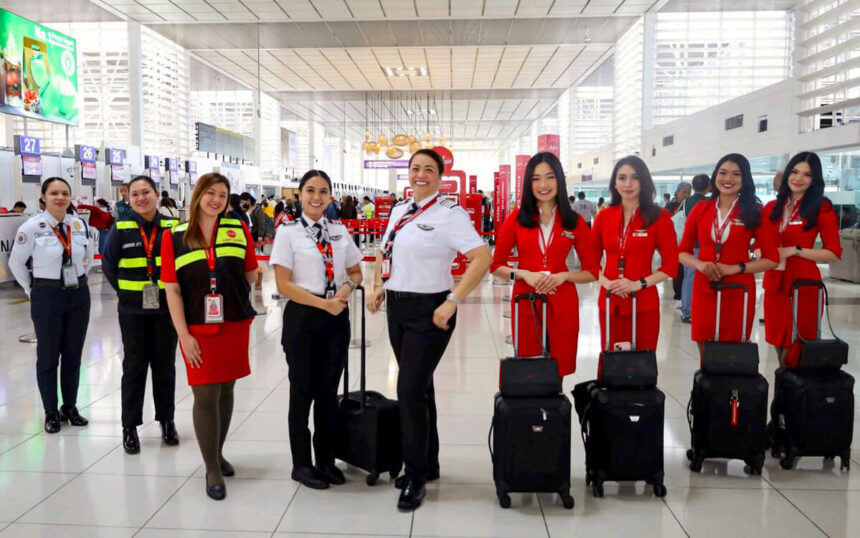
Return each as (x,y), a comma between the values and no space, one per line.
(36,239)
(297,252)
(425,248)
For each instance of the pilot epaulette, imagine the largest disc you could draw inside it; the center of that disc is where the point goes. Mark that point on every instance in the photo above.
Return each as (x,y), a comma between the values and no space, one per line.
(447,202)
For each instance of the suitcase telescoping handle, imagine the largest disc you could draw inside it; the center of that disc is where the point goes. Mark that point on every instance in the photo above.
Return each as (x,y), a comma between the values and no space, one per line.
(719,287)
(823,306)
(363,357)
(633,336)
(531,297)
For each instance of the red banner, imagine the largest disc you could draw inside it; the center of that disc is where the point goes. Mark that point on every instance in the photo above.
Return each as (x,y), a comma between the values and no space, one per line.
(447,157)
(505,171)
(522,161)
(473,184)
(448,186)
(549,143)
(498,204)
(383,207)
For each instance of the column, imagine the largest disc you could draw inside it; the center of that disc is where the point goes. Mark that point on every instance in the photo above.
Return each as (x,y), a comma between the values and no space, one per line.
(135,84)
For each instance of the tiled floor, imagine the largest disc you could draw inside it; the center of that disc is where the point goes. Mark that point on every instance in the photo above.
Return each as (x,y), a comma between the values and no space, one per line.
(81,483)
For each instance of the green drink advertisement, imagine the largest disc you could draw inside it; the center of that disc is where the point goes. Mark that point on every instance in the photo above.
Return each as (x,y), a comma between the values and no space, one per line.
(38,71)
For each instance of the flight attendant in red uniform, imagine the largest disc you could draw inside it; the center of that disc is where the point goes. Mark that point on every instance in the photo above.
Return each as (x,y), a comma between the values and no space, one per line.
(724,227)
(543,230)
(628,232)
(799,214)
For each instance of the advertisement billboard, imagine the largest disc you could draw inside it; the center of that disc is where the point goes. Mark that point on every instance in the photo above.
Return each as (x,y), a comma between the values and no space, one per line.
(38,71)
(521,162)
(549,143)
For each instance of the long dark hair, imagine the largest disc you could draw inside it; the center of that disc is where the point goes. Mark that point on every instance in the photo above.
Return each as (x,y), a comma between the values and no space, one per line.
(529,215)
(750,206)
(812,198)
(648,210)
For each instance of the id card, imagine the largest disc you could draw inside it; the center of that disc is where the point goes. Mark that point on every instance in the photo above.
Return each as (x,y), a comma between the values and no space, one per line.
(213,306)
(329,295)
(386,268)
(70,276)
(150,296)
(622,346)
(545,272)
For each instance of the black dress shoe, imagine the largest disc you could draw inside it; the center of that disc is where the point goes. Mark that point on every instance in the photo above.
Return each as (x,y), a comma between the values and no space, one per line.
(168,433)
(52,421)
(70,413)
(217,492)
(130,441)
(331,473)
(400,481)
(309,477)
(227,469)
(412,495)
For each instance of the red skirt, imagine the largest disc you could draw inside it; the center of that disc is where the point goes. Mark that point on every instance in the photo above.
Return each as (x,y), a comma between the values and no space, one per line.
(777,316)
(562,312)
(621,328)
(224,350)
(704,309)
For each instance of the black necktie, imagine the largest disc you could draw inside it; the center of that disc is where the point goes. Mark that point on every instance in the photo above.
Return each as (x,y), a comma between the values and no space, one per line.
(319,233)
(62,230)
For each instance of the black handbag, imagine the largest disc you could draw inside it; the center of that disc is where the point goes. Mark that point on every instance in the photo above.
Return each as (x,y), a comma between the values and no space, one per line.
(818,354)
(626,368)
(529,376)
(730,358)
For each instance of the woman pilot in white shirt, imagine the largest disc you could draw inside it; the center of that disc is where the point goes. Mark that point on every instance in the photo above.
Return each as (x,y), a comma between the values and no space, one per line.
(59,245)
(316,268)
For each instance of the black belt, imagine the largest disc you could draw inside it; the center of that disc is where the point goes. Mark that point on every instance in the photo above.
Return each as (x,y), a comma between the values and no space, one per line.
(413,295)
(56,282)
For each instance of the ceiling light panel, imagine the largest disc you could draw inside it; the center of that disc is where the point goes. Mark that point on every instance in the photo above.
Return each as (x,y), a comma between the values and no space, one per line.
(500,8)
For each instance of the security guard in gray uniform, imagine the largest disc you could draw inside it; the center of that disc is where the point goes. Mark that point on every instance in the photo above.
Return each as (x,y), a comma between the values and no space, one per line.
(132,265)
(413,273)
(58,243)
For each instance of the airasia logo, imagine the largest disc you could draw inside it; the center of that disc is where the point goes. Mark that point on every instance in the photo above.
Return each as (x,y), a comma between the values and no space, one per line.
(231,234)
(447,157)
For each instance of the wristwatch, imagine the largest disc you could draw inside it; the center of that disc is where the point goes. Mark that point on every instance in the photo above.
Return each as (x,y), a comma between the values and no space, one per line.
(352,285)
(453,298)
(643,282)
(513,275)
(798,247)
(743,267)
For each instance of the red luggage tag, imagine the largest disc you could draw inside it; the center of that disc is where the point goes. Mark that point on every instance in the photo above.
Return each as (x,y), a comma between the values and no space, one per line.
(734,401)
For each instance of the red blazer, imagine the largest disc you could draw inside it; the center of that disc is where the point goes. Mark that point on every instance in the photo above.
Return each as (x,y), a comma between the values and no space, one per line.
(527,242)
(797,234)
(736,249)
(638,254)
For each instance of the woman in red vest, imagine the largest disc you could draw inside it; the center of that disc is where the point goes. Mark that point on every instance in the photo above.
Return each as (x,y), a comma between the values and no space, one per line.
(799,214)
(543,230)
(724,228)
(628,232)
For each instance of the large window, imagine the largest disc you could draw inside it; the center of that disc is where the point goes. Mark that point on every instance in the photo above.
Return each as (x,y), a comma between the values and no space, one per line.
(628,75)
(591,114)
(828,58)
(167,121)
(703,59)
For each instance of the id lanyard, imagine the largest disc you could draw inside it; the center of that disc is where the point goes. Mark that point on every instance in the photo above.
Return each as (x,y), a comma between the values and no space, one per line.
(213,305)
(719,230)
(787,218)
(545,244)
(65,241)
(149,246)
(210,261)
(623,235)
(323,244)
(401,222)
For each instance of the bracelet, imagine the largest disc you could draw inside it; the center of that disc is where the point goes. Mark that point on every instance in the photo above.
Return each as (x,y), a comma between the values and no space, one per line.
(352,285)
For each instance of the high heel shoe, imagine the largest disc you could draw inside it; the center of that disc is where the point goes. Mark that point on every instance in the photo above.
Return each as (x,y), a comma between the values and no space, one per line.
(217,492)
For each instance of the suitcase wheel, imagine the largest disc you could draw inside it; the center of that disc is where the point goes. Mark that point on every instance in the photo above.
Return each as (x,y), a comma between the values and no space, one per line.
(754,466)
(845,460)
(690,454)
(660,490)
(696,458)
(505,500)
(567,500)
(597,489)
(372,479)
(394,472)
(775,451)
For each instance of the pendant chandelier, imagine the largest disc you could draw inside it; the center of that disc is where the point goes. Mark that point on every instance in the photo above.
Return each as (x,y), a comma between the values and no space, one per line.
(400,123)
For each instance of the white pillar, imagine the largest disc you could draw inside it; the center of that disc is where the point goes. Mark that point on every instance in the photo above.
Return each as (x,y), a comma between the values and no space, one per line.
(135,84)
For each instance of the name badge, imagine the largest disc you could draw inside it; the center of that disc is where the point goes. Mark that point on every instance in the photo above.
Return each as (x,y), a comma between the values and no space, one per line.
(640,233)
(569,235)
(737,222)
(70,276)
(795,222)
(386,268)
(214,308)
(329,295)
(150,296)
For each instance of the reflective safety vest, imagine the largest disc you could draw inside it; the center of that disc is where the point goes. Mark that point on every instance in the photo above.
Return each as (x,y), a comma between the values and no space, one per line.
(131,268)
(192,272)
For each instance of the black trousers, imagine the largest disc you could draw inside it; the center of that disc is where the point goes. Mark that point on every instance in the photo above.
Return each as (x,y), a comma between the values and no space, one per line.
(148,342)
(61,318)
(316,345)
(418,346)
(678,283)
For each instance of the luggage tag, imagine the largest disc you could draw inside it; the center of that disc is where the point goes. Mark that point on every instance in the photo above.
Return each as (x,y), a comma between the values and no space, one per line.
(70,276)
(213,303)
(150,296)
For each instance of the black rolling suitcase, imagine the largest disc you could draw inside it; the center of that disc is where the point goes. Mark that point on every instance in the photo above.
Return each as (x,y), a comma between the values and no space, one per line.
(727,412)
(531,377)
(812,413)
(530,447)
(368,425)
(622,424)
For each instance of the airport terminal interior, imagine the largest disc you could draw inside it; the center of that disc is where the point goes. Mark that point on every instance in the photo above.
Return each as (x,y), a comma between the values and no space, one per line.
(261,91)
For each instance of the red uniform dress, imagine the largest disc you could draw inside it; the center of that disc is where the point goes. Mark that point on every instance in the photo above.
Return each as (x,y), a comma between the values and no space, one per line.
(562,306)
(639,247)
(777,282)
(223,346)
(735,249)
